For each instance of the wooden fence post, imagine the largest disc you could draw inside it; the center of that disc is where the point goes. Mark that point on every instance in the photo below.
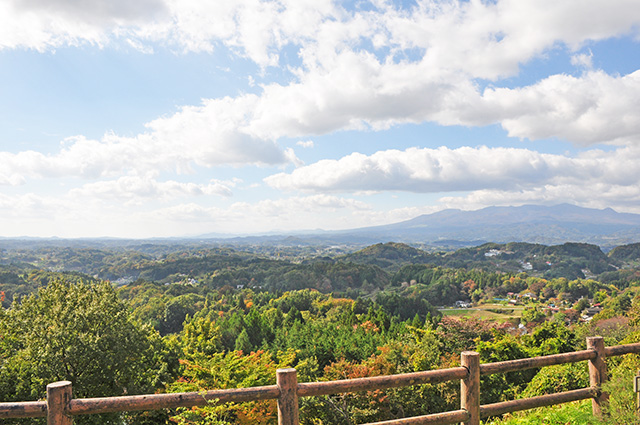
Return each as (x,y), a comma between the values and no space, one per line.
(287,381)
(597,373)
(470,387)
(58,398)
(636,389)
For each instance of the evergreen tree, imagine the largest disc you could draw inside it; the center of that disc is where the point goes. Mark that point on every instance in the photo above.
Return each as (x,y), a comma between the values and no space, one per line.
(242,342)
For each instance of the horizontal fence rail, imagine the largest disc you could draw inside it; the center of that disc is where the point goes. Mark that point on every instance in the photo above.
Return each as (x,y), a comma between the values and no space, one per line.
(60,407)
(25,409)
(88,406)
(533,402)
(619,350)
(452,417)
(535,362)
(381,382)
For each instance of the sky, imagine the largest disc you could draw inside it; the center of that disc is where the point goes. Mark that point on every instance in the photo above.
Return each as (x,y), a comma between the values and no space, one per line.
(158,118)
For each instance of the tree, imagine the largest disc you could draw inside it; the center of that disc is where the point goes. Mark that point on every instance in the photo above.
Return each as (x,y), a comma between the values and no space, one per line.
(551,338)
(532,316)
(201,336)
(177,309)
(582,304)
(242,343)
(84,334)
(503,386)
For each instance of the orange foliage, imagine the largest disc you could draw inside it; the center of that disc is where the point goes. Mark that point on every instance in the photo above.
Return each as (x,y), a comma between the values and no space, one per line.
(264,412)
(469,286)
(369,326)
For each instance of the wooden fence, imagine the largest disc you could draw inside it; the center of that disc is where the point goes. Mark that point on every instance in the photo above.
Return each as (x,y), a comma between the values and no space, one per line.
(60,407)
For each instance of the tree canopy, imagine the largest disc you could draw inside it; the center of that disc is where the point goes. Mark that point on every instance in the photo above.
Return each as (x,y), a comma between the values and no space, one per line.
(80,332)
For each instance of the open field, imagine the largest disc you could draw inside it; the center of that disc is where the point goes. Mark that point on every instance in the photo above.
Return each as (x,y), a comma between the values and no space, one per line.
(497,312)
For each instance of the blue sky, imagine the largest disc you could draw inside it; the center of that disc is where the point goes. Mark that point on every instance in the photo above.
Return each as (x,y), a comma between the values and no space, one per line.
(185,117)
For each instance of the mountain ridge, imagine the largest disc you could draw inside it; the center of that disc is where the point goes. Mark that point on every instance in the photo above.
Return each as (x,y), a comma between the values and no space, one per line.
(448,229)
(527,223)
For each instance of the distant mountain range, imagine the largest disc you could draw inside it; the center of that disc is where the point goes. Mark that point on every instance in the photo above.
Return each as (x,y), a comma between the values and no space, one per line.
(448,229)
(547,225)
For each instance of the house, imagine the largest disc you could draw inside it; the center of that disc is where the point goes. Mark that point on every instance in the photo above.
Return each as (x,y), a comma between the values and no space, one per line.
(592,311)
(526,265)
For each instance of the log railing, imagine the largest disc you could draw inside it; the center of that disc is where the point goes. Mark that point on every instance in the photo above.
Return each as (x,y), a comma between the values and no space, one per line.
(60,407)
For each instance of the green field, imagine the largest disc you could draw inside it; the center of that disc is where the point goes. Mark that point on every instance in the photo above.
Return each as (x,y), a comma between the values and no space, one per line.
(496,312)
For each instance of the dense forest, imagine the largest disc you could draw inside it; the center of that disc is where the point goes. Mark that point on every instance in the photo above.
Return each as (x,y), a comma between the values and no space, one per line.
(132,321)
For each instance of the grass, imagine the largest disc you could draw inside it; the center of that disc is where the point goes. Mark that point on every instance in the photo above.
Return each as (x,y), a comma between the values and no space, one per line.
(576,413)
(496,312)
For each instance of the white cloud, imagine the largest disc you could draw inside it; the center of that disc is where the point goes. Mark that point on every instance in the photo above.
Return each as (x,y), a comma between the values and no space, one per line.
(99,210)
(305,144)
(207,136)
(593,108)
(294,213)
(214,134)
(78,157)
(583,60)
(136,189)
(39,24)
(622,198)
(357,92)
(463,169)
(24,206)
(269,208)
(485,40)
(360,92)
(421,170)
(93,11)
(362,69)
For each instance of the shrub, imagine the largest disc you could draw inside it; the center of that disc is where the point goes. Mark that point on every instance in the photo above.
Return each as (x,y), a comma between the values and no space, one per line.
(558,378)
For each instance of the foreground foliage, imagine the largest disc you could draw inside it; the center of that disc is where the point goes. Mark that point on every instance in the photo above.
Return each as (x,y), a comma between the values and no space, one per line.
(81,333)
(209,320)
(577,413)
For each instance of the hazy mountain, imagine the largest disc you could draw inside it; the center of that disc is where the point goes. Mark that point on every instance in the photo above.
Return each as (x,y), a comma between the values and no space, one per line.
(450,229)
(528,223)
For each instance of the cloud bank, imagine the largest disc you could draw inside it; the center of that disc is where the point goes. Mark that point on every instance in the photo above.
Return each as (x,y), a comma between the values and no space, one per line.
(368,68)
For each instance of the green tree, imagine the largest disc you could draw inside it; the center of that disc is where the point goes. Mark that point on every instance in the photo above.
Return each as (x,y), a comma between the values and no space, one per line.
(581,305)
(532,316)
(503,386)
(551,338)
(242,343)
(200,336)
(84,334)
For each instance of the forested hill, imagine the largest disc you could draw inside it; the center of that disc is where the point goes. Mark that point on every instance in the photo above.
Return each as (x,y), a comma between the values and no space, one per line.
(361,273)
(166,263)
(626,253)
(569,260)
(390,256)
